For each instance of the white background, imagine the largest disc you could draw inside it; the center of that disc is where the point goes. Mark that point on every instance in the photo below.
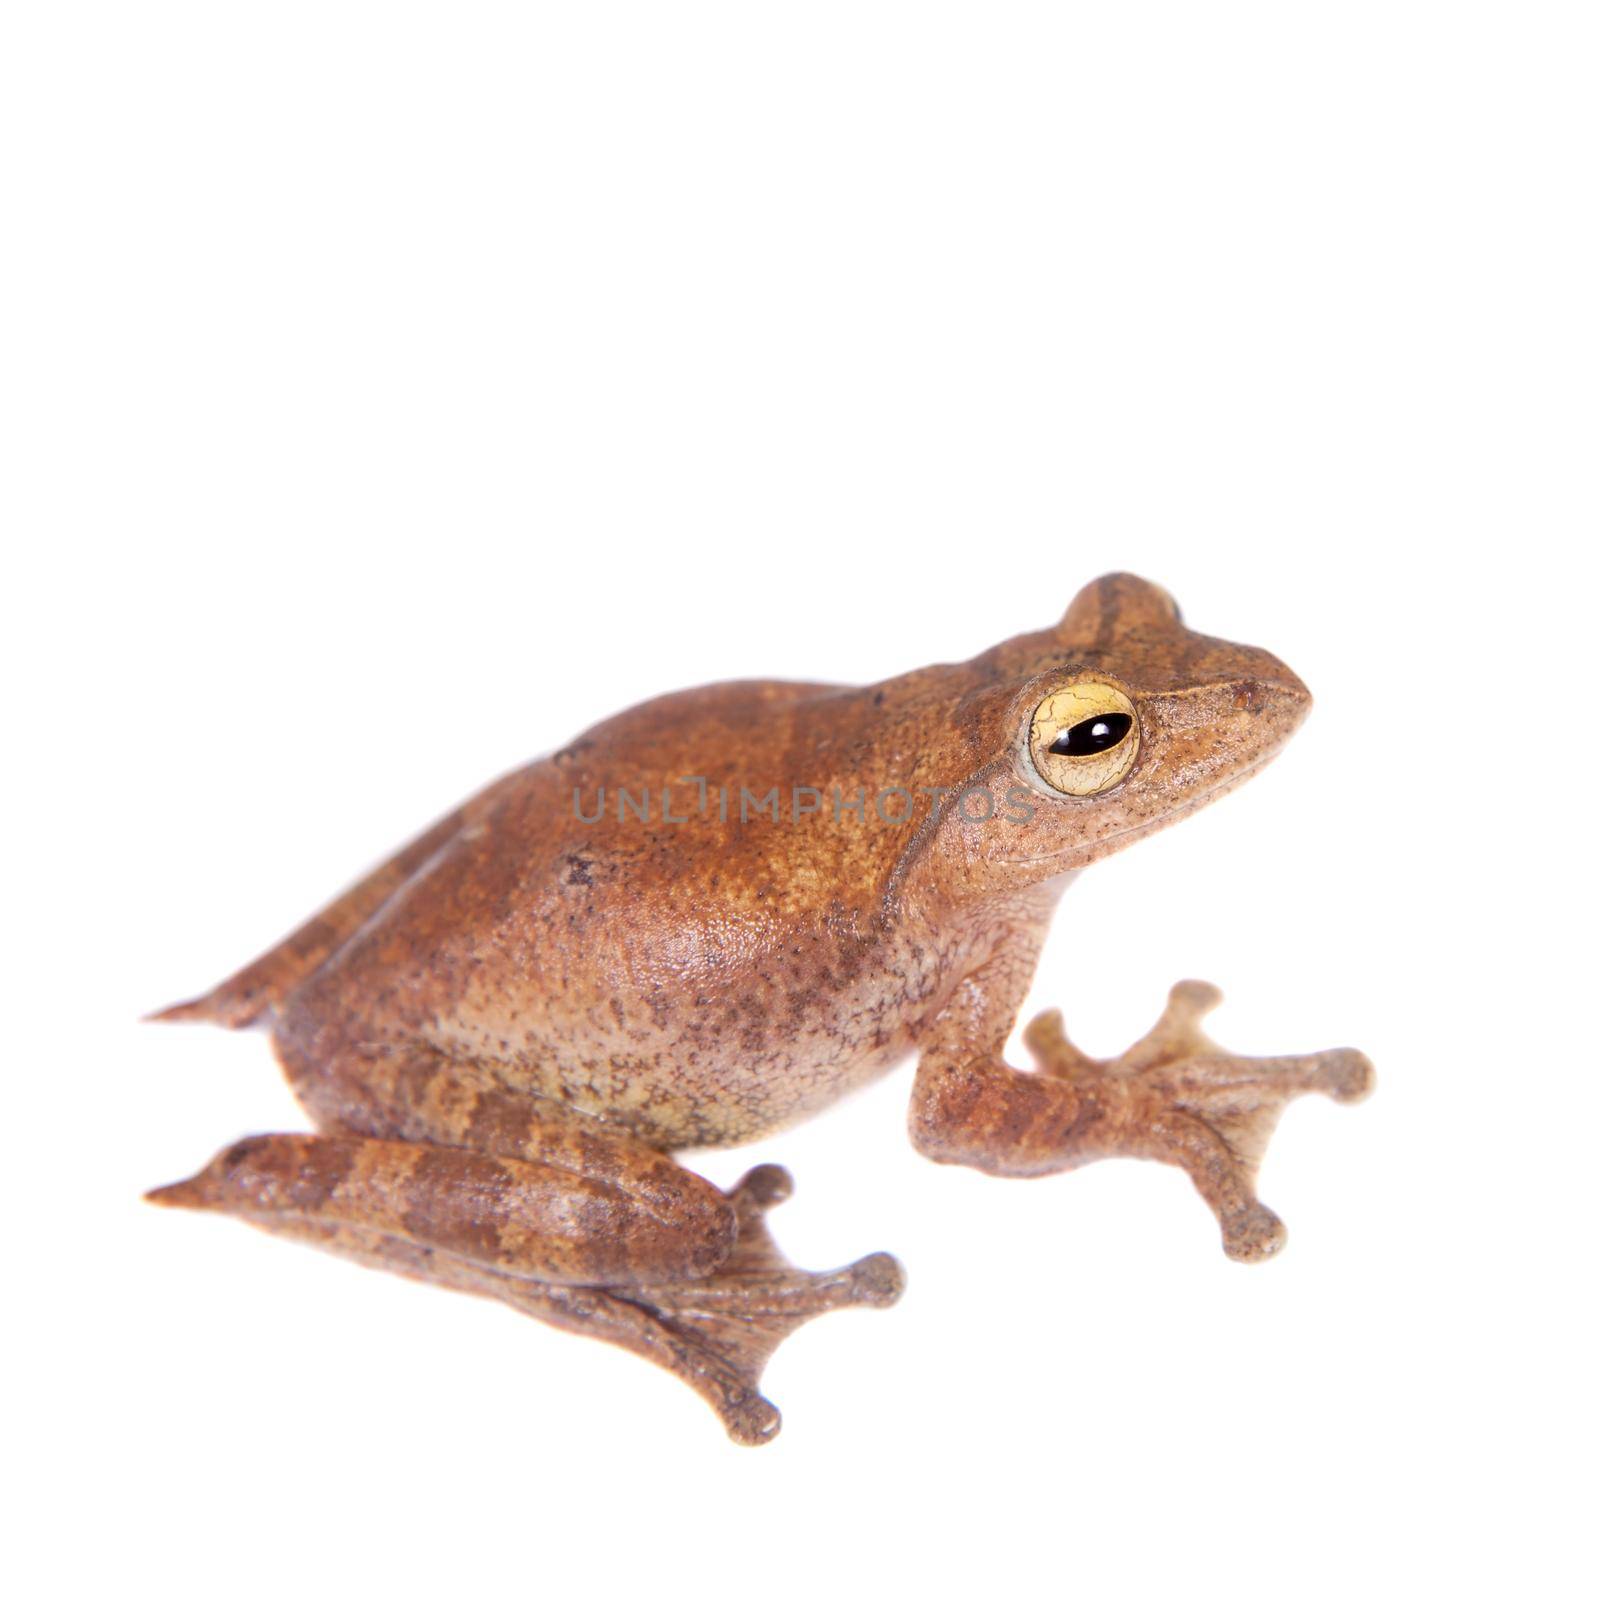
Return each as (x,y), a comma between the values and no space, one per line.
(392,390)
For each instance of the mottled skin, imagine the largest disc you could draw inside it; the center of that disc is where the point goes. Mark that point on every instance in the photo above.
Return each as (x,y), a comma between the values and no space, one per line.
(503,1032)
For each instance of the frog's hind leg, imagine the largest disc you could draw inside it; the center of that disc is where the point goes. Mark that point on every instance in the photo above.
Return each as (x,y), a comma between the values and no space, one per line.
(588,1230)
(744,1310)
(718,1332)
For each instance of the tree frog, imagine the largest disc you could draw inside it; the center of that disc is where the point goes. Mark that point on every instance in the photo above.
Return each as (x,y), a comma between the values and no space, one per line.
(718,912)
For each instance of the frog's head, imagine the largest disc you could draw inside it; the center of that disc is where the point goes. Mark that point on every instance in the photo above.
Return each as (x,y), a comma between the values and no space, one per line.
(1116,722)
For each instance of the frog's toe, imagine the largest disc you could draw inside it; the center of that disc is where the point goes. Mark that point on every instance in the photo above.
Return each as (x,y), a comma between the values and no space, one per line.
(876,1280)
(752,1419)
(764,1187)
(1344,1075)
(1253,1233)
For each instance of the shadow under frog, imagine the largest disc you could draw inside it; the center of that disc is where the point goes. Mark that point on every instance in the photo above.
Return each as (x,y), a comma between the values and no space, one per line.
(503,1033)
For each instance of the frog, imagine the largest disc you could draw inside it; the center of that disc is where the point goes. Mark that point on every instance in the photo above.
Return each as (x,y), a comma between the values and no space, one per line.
(715,914)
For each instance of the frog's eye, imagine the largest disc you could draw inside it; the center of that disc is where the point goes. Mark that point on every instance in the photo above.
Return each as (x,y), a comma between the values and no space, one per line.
(1083,738)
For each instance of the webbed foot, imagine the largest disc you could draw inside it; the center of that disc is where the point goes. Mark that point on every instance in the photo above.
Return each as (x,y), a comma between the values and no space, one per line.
(755,1300)
(1176,1096)
(717,1333)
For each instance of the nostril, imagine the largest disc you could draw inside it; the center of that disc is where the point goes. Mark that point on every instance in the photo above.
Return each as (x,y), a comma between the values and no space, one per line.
(1280,693)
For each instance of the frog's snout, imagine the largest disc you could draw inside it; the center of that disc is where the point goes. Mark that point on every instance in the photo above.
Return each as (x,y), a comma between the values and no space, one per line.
(1254,695)
(1271,689)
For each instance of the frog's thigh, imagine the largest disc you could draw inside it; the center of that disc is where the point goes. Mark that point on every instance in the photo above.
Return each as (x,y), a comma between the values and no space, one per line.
(608,1215)
(419,1096)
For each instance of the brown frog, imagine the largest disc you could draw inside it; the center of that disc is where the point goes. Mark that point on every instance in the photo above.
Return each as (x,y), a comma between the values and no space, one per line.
(718,912)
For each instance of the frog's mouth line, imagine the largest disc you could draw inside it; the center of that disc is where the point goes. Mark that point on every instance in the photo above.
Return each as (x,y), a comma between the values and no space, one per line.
(1124,836)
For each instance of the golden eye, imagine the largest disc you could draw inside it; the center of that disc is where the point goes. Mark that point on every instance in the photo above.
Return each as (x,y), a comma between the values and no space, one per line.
(1084,738)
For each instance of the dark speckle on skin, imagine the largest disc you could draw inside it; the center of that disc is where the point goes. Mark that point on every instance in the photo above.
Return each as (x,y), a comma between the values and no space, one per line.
(241,1151)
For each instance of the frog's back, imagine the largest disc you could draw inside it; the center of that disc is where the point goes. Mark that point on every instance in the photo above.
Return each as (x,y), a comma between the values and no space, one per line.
(697,980)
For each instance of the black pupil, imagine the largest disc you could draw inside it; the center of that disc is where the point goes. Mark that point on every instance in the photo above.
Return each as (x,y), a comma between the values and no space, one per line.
(1094,734)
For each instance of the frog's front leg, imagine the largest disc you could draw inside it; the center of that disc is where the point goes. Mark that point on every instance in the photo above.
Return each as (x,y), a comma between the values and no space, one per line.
(1174,1096)
(587,1229)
